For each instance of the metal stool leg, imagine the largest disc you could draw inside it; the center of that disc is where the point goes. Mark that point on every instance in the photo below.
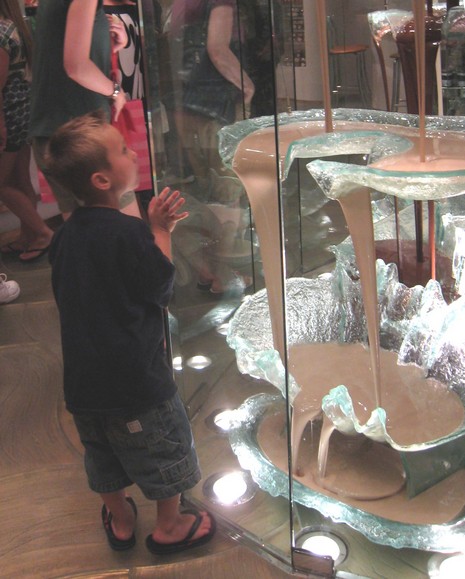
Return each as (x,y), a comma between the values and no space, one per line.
(395,85)
(362,78)
(334,79)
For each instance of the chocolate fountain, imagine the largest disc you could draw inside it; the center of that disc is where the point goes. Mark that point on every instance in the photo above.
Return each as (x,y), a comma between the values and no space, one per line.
(370,371)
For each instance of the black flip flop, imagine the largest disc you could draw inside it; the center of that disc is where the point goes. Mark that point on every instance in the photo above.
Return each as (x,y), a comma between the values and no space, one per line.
(9,249)
(115,543)
(187,543)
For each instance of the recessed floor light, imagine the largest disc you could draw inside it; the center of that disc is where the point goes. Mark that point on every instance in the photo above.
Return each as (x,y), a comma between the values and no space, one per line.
(220,420)
(322,542)
(229,489)
(199,362)
(177,363)
(447,566)
(223,329)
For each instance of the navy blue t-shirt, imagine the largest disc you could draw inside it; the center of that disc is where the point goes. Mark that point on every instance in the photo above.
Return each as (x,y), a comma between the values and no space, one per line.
(111,283)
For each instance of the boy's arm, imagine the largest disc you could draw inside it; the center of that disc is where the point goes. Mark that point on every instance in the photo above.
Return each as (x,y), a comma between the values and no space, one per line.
(163,213)
(163,240)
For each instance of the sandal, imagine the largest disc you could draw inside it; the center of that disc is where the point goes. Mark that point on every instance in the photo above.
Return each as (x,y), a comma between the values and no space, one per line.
(115,543)
(187,543)
(11,248)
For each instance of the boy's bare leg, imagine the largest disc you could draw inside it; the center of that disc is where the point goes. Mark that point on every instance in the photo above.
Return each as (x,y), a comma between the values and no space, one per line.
(123,518)
(173,526)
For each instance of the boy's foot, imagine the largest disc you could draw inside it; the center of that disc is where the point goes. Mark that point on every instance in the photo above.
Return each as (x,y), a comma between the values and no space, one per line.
(200,532)
(115,543)
(9,290)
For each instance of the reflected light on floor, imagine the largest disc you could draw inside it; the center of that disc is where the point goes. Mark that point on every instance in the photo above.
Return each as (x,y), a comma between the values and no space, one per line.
(224,419)
(221,420)
(223,329)
(199,362)
(177,363)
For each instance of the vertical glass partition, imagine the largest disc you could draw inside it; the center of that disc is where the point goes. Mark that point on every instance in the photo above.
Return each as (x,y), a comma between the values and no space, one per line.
(268,302)
(210,65)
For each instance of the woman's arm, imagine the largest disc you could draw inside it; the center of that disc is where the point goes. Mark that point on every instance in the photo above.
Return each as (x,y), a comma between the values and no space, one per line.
(76,52)
(220,26)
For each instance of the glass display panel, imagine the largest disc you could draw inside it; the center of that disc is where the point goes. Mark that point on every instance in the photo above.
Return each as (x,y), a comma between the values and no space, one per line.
(263,178)
(216,249)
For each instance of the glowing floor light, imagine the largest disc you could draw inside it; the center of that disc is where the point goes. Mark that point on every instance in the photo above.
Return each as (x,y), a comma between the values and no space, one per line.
(452,567)
(223,329)
(322,542)
(199,362)
(220,420)
(177,363)
(230,488)
(224,419)
(323,546)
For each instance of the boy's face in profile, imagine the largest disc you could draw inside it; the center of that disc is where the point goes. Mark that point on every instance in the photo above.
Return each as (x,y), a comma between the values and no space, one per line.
(124,173)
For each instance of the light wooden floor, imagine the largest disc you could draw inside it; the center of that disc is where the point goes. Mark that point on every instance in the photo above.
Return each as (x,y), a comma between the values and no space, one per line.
(50,520)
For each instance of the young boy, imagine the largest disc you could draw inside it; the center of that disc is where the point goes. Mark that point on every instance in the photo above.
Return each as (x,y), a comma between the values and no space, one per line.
(111,281)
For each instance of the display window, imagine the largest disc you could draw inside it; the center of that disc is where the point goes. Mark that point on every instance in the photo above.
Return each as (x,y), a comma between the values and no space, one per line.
(319,273)
(315,333)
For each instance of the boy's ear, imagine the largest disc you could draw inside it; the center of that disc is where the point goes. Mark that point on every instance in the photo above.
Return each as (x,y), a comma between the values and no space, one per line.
(100,181)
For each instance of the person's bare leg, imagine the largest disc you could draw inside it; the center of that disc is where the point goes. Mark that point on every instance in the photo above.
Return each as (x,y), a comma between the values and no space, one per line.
(34,231)
(173,526)
(123,517)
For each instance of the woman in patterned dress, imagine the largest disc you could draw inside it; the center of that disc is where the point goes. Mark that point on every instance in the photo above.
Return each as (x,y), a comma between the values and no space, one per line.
(16,190)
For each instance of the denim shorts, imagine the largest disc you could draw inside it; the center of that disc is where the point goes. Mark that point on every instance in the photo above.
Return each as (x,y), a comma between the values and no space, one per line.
(154,450)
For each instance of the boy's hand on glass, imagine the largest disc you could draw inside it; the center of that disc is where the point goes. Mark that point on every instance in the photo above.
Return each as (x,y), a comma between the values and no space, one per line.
(163,210)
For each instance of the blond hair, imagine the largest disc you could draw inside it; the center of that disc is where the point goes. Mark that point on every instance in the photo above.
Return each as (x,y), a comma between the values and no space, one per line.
(76,151)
